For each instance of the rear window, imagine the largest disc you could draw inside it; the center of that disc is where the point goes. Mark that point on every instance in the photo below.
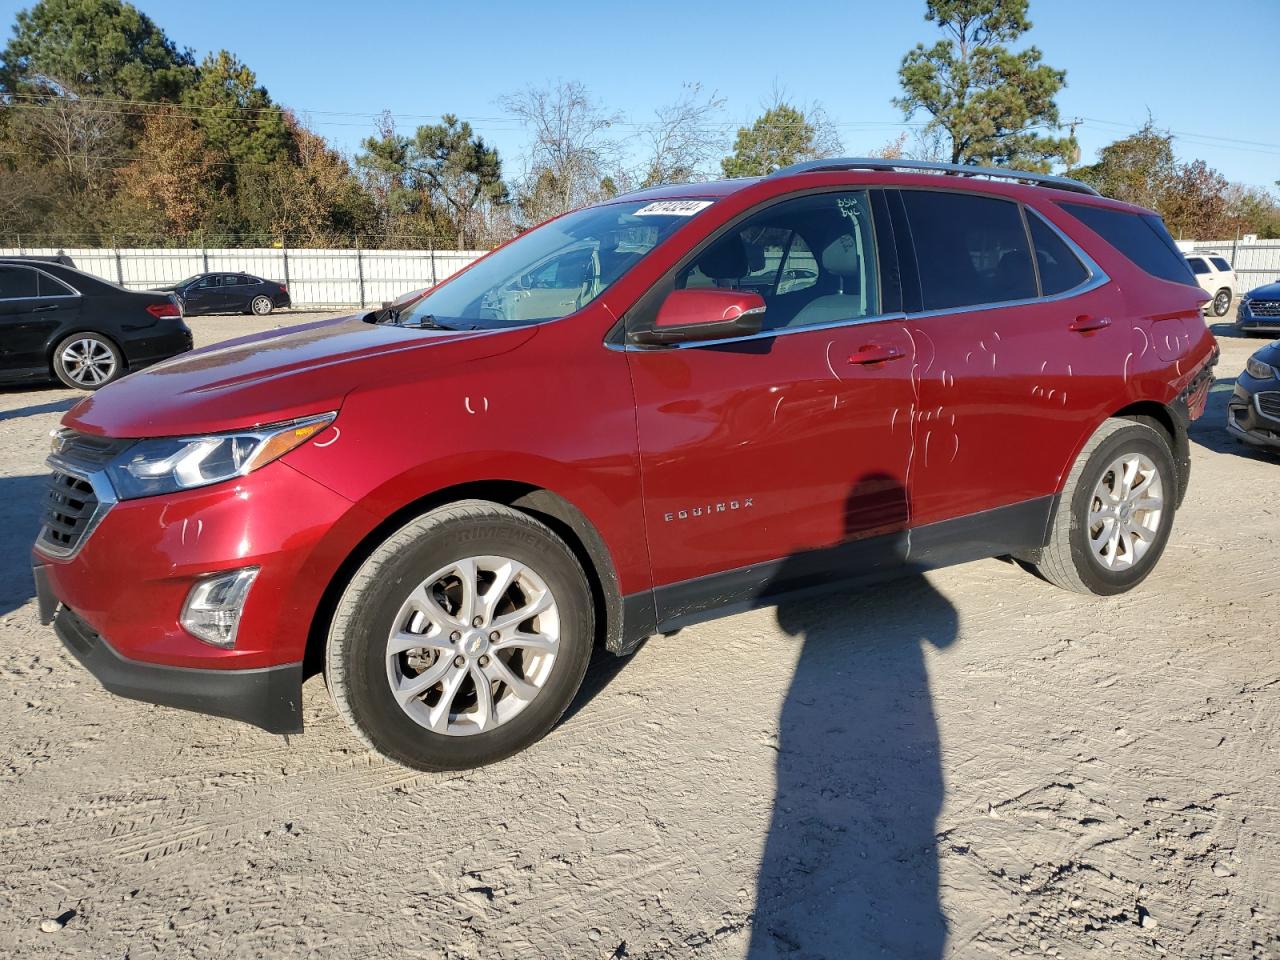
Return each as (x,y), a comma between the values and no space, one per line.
(971,249)
(1220,264)
(1142,238)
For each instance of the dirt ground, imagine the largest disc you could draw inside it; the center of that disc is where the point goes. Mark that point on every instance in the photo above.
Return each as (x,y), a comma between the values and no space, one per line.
(972,764)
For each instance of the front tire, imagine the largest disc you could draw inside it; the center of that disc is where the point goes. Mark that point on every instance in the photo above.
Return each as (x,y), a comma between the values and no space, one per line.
(1115,514)
(462,639)
(261,306)
(87,361)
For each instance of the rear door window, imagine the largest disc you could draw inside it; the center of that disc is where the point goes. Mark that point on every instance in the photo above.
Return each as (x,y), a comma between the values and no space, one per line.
(1142,238)
(18,283)
(971,249)
(1220,264)
(1060,269)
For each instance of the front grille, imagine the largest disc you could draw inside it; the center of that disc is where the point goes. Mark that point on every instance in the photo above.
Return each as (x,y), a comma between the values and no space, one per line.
(69,506)
(1265,308)
(1269,404)
(86,450)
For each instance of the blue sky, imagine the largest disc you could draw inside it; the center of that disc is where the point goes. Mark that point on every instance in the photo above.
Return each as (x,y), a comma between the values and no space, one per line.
(342,63)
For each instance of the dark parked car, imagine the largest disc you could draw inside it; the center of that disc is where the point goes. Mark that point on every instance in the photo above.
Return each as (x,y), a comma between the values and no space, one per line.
(1260,310)
(1253,412)
(61,258)
(228,293)
(64,323)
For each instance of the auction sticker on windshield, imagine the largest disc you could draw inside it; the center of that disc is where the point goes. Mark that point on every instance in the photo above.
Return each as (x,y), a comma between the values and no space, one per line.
(673,208)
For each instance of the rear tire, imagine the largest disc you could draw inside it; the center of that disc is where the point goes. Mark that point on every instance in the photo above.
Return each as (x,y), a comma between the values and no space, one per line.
(1115,513)
(484,682)
(261,306)
(87,361)
(1221,303)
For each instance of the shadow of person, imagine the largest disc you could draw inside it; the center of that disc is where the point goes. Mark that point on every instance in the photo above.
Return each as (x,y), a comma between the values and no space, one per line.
(850,867)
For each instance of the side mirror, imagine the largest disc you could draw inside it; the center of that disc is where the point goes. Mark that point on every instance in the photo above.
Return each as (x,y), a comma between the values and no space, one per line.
(690,316)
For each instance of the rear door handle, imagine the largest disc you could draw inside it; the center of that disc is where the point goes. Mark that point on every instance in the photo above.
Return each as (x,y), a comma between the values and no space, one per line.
(45,308)
(875,353)
(1087,324)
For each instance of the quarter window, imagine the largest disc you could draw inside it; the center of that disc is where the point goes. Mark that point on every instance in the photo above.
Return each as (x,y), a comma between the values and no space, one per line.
(1220,264)
(971,249)
(812,259)
(49,287)
(1198,266)
(1060,269)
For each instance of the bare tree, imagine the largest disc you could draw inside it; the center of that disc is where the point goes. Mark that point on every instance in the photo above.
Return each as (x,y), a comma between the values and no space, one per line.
(685,139)
(83,139)
(572,154)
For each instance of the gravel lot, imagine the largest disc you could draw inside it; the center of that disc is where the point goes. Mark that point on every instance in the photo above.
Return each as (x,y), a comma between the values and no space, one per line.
(972,764)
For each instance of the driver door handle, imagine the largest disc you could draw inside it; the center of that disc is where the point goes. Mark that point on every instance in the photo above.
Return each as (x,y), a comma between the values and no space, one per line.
(875,353)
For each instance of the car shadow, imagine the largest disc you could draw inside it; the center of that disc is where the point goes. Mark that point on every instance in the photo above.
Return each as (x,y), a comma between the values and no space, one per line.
(1210,431)
(20,503)
(35,409)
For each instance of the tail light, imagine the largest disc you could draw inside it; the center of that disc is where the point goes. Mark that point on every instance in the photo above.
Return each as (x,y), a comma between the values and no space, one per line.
(284,288)
(164,311)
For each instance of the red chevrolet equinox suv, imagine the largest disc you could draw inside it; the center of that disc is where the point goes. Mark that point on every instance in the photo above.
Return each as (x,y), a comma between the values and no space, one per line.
(653,411)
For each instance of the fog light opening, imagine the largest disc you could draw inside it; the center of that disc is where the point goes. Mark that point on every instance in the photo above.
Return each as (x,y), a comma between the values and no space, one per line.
(213,607)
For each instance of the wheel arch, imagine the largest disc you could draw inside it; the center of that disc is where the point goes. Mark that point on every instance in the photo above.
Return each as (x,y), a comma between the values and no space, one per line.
(1162,418)
(558,513)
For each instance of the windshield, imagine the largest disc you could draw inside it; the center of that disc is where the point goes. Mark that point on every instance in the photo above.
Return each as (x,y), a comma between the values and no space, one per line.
(554,270)
(190,280)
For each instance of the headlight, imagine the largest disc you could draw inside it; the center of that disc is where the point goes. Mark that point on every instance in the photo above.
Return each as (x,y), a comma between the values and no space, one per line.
(1259,370)
(166,465)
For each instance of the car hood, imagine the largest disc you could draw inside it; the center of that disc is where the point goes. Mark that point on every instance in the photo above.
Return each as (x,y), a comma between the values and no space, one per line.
(1270,354)
(275,376)
(1268,291)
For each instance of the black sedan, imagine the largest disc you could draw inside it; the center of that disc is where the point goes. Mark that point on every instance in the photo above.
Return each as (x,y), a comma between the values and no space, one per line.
(60,322)
(1253,411)
(228,293)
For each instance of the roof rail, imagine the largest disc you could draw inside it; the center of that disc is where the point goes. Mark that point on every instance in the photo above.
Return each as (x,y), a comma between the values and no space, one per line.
(928,166)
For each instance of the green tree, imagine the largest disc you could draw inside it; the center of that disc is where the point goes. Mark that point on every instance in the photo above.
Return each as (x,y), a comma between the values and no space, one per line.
(996,105)
(102,48)
(444,175)
(781,136)
(237,116)
(1139,168)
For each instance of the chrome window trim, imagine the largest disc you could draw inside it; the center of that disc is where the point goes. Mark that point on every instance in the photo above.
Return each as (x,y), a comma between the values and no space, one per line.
(102,490)
(762,335)
(44,273)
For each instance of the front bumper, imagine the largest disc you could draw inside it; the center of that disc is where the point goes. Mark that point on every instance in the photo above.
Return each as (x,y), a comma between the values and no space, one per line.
(1246,419)
(1246,320)
(266,697)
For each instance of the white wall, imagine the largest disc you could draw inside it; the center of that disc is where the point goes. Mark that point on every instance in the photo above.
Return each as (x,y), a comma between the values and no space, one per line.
(316,278)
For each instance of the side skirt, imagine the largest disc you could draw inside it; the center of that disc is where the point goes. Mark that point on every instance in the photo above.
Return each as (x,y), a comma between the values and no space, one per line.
(1015,528)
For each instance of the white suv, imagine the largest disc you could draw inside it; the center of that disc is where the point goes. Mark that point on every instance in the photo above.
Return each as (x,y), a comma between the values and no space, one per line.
(1217,279)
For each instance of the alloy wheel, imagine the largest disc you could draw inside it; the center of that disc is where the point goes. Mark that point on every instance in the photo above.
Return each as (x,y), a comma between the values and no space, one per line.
(473,645)
(261,306)
(1125,511)
(1221,303)
(88,361)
